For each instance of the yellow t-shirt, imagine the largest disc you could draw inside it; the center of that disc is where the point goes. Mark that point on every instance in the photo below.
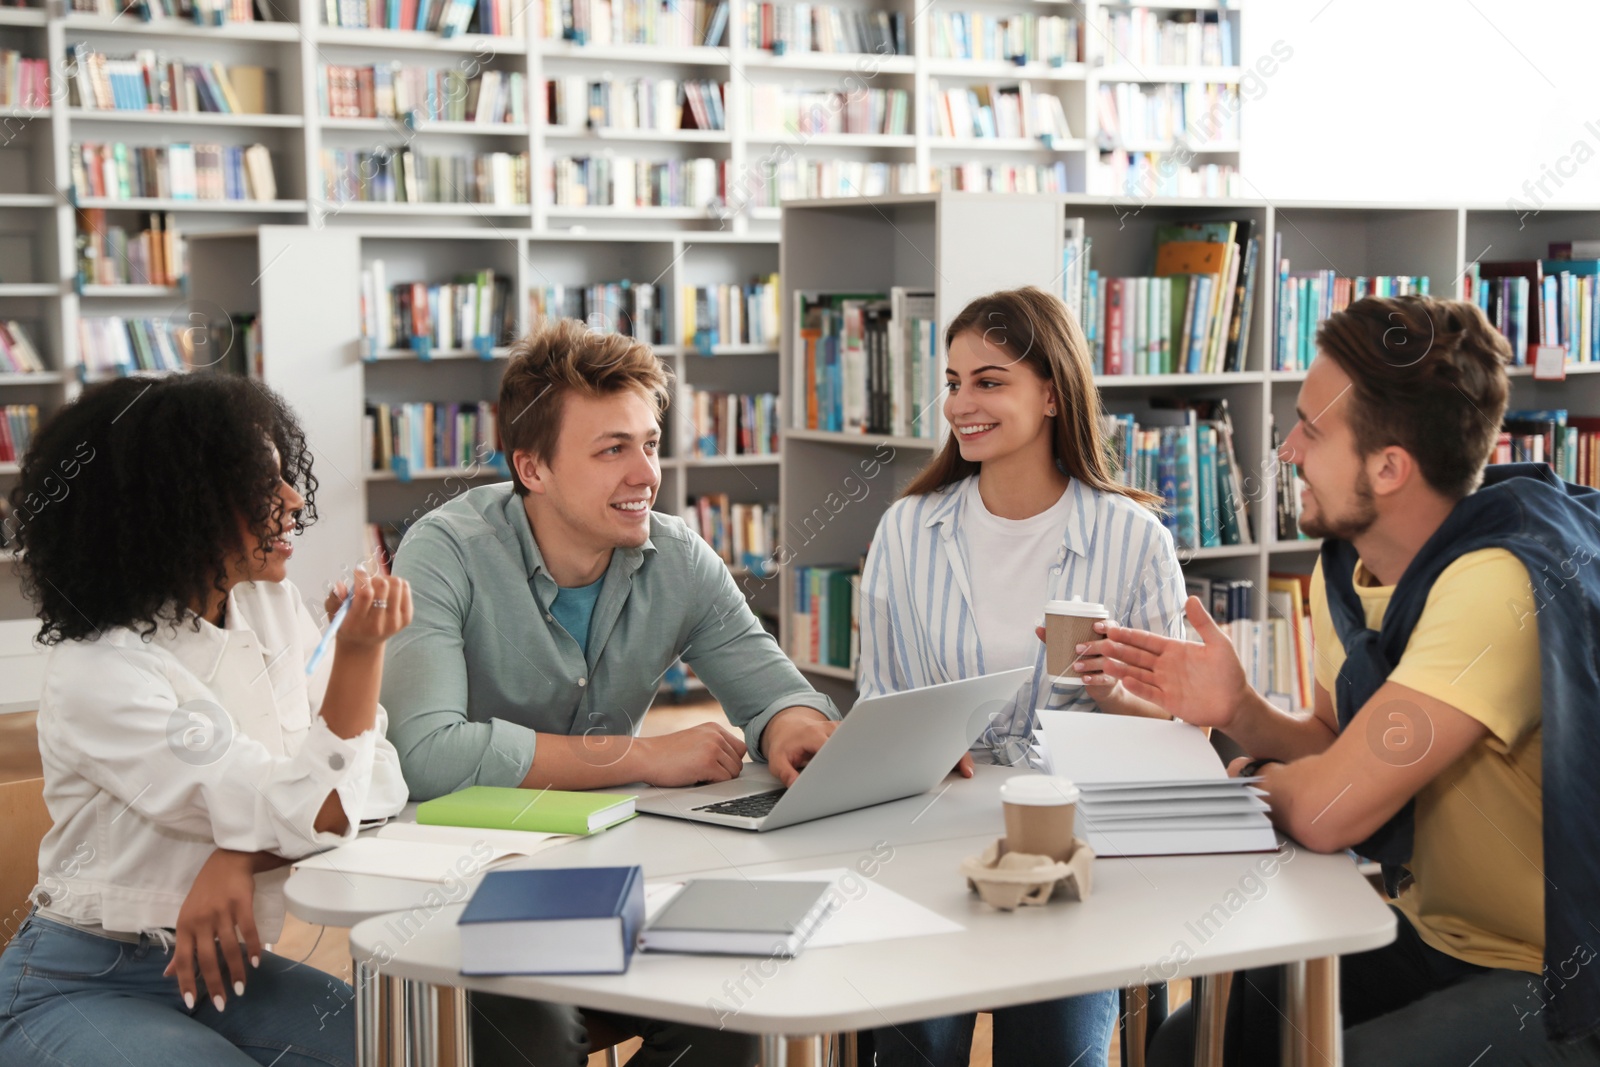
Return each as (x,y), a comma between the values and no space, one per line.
(1478,858)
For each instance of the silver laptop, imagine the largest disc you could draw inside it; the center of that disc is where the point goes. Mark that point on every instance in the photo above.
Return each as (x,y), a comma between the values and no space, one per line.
(888,747)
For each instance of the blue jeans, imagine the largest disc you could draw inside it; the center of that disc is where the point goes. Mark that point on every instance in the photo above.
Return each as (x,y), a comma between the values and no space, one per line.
(69,997)
(1072,1030)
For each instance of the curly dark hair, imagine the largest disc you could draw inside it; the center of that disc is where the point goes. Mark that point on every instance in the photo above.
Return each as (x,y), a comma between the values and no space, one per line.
(130,498)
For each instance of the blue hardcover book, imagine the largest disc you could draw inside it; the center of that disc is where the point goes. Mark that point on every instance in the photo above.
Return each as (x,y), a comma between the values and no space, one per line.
(576,920)
(1167,479)
(1183,462)
(1210,536)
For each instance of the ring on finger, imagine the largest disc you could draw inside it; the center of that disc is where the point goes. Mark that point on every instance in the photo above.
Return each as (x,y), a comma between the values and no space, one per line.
(379,602)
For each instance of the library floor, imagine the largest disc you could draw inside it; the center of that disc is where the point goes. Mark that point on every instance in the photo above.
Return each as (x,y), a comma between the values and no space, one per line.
(327,948)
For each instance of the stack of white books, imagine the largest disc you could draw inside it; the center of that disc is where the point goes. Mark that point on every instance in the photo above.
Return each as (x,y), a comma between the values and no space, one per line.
(1151,787)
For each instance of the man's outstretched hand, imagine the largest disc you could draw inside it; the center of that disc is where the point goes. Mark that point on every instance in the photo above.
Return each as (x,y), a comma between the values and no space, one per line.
(1199,682)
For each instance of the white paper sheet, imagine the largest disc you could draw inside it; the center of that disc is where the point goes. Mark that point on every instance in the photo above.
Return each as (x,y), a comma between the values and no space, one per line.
(867,911)
(386,856)
(522,842)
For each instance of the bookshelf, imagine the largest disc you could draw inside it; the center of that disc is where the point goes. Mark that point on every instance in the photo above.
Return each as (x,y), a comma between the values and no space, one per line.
(963,245)
(305,283)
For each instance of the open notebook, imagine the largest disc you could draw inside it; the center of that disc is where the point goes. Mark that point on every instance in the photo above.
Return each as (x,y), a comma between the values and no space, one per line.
(430,853)
(1151,787)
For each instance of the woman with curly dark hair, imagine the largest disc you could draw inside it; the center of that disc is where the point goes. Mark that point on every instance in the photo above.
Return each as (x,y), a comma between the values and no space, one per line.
(191,745)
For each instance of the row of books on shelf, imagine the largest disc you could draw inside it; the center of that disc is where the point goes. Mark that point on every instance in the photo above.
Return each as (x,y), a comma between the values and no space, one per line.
(24,83)
(686,24)
(200,12)
(590,181)
(412,437)
(1199,112)
(1569,444)
(112,345)
(109,255)
(776,109)
(117,345)
(728,424)
(823,627)
(868,363)
(999,177)
(785,28)
(1276,652)
(148,80)
(575,102)
(1161,37)
(21,422)
(194,171)
(816,179)
(1305,298)
(731,314)
(17,352)
(632,309)
(1053,40)
(743,535)
(474,310)
(439,94)
(1288,486)
(1549,301)
(1191,317)
(500,18)
(1183,451)
(408,176)
(1148,175)
(986,112)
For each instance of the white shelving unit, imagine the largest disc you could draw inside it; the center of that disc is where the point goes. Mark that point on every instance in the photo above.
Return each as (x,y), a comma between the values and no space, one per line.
(310,352)
(967,244)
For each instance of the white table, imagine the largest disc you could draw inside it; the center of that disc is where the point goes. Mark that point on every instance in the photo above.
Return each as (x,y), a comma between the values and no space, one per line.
(1149,919)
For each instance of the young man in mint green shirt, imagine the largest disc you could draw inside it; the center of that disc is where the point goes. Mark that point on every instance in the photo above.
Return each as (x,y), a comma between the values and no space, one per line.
(546,611)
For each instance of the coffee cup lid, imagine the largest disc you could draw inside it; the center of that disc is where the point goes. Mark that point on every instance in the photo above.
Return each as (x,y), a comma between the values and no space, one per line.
(1038,790)
(1083,609)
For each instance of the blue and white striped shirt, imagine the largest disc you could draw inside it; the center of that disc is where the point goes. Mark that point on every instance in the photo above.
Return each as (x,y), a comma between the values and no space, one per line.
(917,622)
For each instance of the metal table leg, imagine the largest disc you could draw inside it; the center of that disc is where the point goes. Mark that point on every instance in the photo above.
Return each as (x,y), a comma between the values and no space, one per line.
(1313,1036)
(1210,1015)
(394,1020)
(453,1002)
(774,1051)
(421,1025)
(368,1014)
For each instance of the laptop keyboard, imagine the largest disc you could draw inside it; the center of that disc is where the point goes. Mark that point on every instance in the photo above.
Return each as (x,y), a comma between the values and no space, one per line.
(753,806)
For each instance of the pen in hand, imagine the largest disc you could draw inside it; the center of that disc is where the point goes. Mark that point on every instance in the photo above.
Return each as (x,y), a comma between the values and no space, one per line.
(327,635)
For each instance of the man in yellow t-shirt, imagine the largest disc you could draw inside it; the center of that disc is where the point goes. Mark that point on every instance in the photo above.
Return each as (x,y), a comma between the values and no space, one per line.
(1398,416)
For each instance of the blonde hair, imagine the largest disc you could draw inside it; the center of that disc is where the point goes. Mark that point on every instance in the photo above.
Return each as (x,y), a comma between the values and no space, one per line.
(562,356)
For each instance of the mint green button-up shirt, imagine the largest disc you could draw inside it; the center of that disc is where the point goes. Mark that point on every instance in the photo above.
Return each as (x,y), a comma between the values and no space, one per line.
(484,666)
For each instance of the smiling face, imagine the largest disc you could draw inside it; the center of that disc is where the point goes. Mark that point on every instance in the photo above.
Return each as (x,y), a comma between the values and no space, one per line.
(272,565)
(1338,500)
(997,404)
(595,491)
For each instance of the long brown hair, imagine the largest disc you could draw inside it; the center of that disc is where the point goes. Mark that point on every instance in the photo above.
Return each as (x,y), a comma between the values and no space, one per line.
(1036,329)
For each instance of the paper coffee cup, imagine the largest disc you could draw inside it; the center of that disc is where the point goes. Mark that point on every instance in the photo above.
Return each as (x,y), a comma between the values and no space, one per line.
(1039,811)
(1068,624)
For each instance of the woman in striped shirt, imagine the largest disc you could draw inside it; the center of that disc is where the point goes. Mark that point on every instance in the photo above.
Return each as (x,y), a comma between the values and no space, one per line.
(1018,507)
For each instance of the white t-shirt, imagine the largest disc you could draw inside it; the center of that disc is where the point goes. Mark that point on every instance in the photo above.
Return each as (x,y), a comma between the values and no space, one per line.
(1009,561)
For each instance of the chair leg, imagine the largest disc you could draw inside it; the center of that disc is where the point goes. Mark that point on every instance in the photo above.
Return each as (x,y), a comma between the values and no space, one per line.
(1135,1023)
(613,1057)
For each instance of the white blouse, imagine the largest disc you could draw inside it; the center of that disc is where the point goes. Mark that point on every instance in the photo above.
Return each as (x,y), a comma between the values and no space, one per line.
(158,750)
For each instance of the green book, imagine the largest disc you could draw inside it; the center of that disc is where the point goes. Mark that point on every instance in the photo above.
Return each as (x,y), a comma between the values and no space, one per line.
(545,811)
